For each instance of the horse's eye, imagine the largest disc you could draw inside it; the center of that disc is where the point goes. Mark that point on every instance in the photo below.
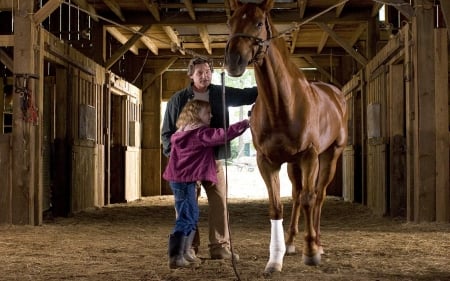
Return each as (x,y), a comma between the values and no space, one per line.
(259,25)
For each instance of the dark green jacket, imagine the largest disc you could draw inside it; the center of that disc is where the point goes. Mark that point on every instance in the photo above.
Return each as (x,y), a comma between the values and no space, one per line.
(233,97)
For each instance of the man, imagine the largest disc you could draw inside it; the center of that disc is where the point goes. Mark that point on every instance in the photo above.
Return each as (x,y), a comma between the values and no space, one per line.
(200,73)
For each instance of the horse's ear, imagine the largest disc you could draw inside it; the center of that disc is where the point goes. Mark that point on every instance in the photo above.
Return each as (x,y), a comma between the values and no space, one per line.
(234,4)
(266,5)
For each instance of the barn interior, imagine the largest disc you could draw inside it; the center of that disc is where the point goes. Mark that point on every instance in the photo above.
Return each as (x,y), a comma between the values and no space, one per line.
(83,82)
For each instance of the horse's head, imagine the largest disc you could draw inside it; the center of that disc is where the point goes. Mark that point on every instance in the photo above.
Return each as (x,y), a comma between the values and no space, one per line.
(249,33)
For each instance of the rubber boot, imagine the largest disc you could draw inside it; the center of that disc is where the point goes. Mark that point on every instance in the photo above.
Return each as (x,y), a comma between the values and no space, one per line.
(176,250)
(189,252)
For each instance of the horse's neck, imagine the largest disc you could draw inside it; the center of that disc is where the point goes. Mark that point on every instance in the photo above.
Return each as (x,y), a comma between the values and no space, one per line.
(277,75)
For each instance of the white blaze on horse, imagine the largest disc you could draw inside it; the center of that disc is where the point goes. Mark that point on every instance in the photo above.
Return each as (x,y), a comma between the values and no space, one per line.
(293,121)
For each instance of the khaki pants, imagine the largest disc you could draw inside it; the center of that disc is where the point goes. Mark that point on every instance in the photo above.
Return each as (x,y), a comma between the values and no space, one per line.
(217,210)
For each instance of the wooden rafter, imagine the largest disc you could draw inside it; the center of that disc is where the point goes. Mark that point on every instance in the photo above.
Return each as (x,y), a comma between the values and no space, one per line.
(147,41)
(173,37)
(339,10)
(376,8)
(190,8)
(324,39)
(357,56)
(152,6)
(121,38)
(402,6)
(167,64)
(294,39)
(115,8)
(357,33)
(445,7)
(123,49)
(46,10)
(301,5)
(204,35)
(88,7)
(6,40)
(6,60)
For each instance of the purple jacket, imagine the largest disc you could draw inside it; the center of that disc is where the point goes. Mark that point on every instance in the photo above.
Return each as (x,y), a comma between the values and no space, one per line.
(192,152)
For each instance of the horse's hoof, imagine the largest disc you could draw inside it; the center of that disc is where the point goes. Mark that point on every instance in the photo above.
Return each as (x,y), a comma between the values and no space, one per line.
(273,267)
(312,261)
(290,250)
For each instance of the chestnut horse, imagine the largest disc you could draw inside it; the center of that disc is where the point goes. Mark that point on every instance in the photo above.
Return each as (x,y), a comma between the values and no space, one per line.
(293,121)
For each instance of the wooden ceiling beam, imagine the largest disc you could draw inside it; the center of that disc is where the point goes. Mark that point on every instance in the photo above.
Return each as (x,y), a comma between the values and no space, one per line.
(46,11)
(357,56)
(339,10)
(376,8)
(127,46)
(6,60)
(445,7)
(204,35)
(152,6)
(115,8)
(83,4)
(167,64)
(121,38)
(173,38)
(324,39)
(6,40)
(146,40)
(301,5)
(190,9)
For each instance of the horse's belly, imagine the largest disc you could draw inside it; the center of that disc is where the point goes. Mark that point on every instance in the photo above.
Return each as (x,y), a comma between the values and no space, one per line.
(277,148)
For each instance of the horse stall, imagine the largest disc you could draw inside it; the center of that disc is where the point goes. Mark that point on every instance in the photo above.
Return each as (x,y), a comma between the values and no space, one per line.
(124,121)
(392,125)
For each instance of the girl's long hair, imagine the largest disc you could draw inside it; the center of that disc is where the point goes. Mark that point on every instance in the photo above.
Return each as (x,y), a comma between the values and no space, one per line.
(190,113)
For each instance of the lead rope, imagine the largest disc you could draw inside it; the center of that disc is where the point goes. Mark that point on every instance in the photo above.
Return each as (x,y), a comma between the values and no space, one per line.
(233,260)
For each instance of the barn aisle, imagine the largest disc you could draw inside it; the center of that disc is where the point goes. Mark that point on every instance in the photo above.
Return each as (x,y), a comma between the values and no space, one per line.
(128,242)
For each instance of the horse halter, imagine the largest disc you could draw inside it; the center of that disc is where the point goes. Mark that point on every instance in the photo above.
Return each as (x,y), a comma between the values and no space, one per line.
(261,43)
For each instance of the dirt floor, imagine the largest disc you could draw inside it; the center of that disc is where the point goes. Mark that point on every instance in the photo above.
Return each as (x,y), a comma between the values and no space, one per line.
(129,242)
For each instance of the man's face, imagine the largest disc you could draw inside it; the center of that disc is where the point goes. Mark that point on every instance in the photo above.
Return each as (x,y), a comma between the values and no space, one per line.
(202,76)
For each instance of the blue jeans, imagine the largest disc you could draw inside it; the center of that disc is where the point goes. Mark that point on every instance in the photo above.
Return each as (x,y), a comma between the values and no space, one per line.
(185,194)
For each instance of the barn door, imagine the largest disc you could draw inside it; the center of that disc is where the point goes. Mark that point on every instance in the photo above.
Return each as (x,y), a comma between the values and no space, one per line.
(376,166)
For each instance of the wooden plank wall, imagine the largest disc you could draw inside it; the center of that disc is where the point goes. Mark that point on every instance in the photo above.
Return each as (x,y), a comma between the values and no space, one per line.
(5,174)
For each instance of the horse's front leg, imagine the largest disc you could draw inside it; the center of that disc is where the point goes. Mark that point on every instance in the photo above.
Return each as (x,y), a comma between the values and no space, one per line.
(295,177)
(309,164)
(270,175)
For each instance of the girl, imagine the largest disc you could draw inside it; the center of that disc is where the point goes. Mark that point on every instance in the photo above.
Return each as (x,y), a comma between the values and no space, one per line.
(192,159)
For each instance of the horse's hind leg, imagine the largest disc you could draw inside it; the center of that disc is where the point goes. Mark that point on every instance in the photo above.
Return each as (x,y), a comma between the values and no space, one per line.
(327,170)
(294,174)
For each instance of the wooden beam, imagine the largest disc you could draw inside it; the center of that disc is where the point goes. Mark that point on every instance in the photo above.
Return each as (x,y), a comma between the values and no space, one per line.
(173,38)
(294,39)
(376,8)
(6,40)
(46,10)
(324,39)
(402,6)
(121,38)
(301,5)
(445,8)
(6,5)
(167,64)
(357,33)
(339,10)
(127,46)
(152,6)
(204,35)
(357,56)
(311,61)
(115,8)
(147,41)
(6,60)
(88,7)
(190,8)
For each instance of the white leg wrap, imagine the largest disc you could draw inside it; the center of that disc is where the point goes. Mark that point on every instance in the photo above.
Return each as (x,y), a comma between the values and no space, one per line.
(277,244)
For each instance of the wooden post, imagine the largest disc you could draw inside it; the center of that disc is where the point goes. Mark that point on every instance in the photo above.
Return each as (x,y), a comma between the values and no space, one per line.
(442,134)
(424,117)
(24,132)
(151,137)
